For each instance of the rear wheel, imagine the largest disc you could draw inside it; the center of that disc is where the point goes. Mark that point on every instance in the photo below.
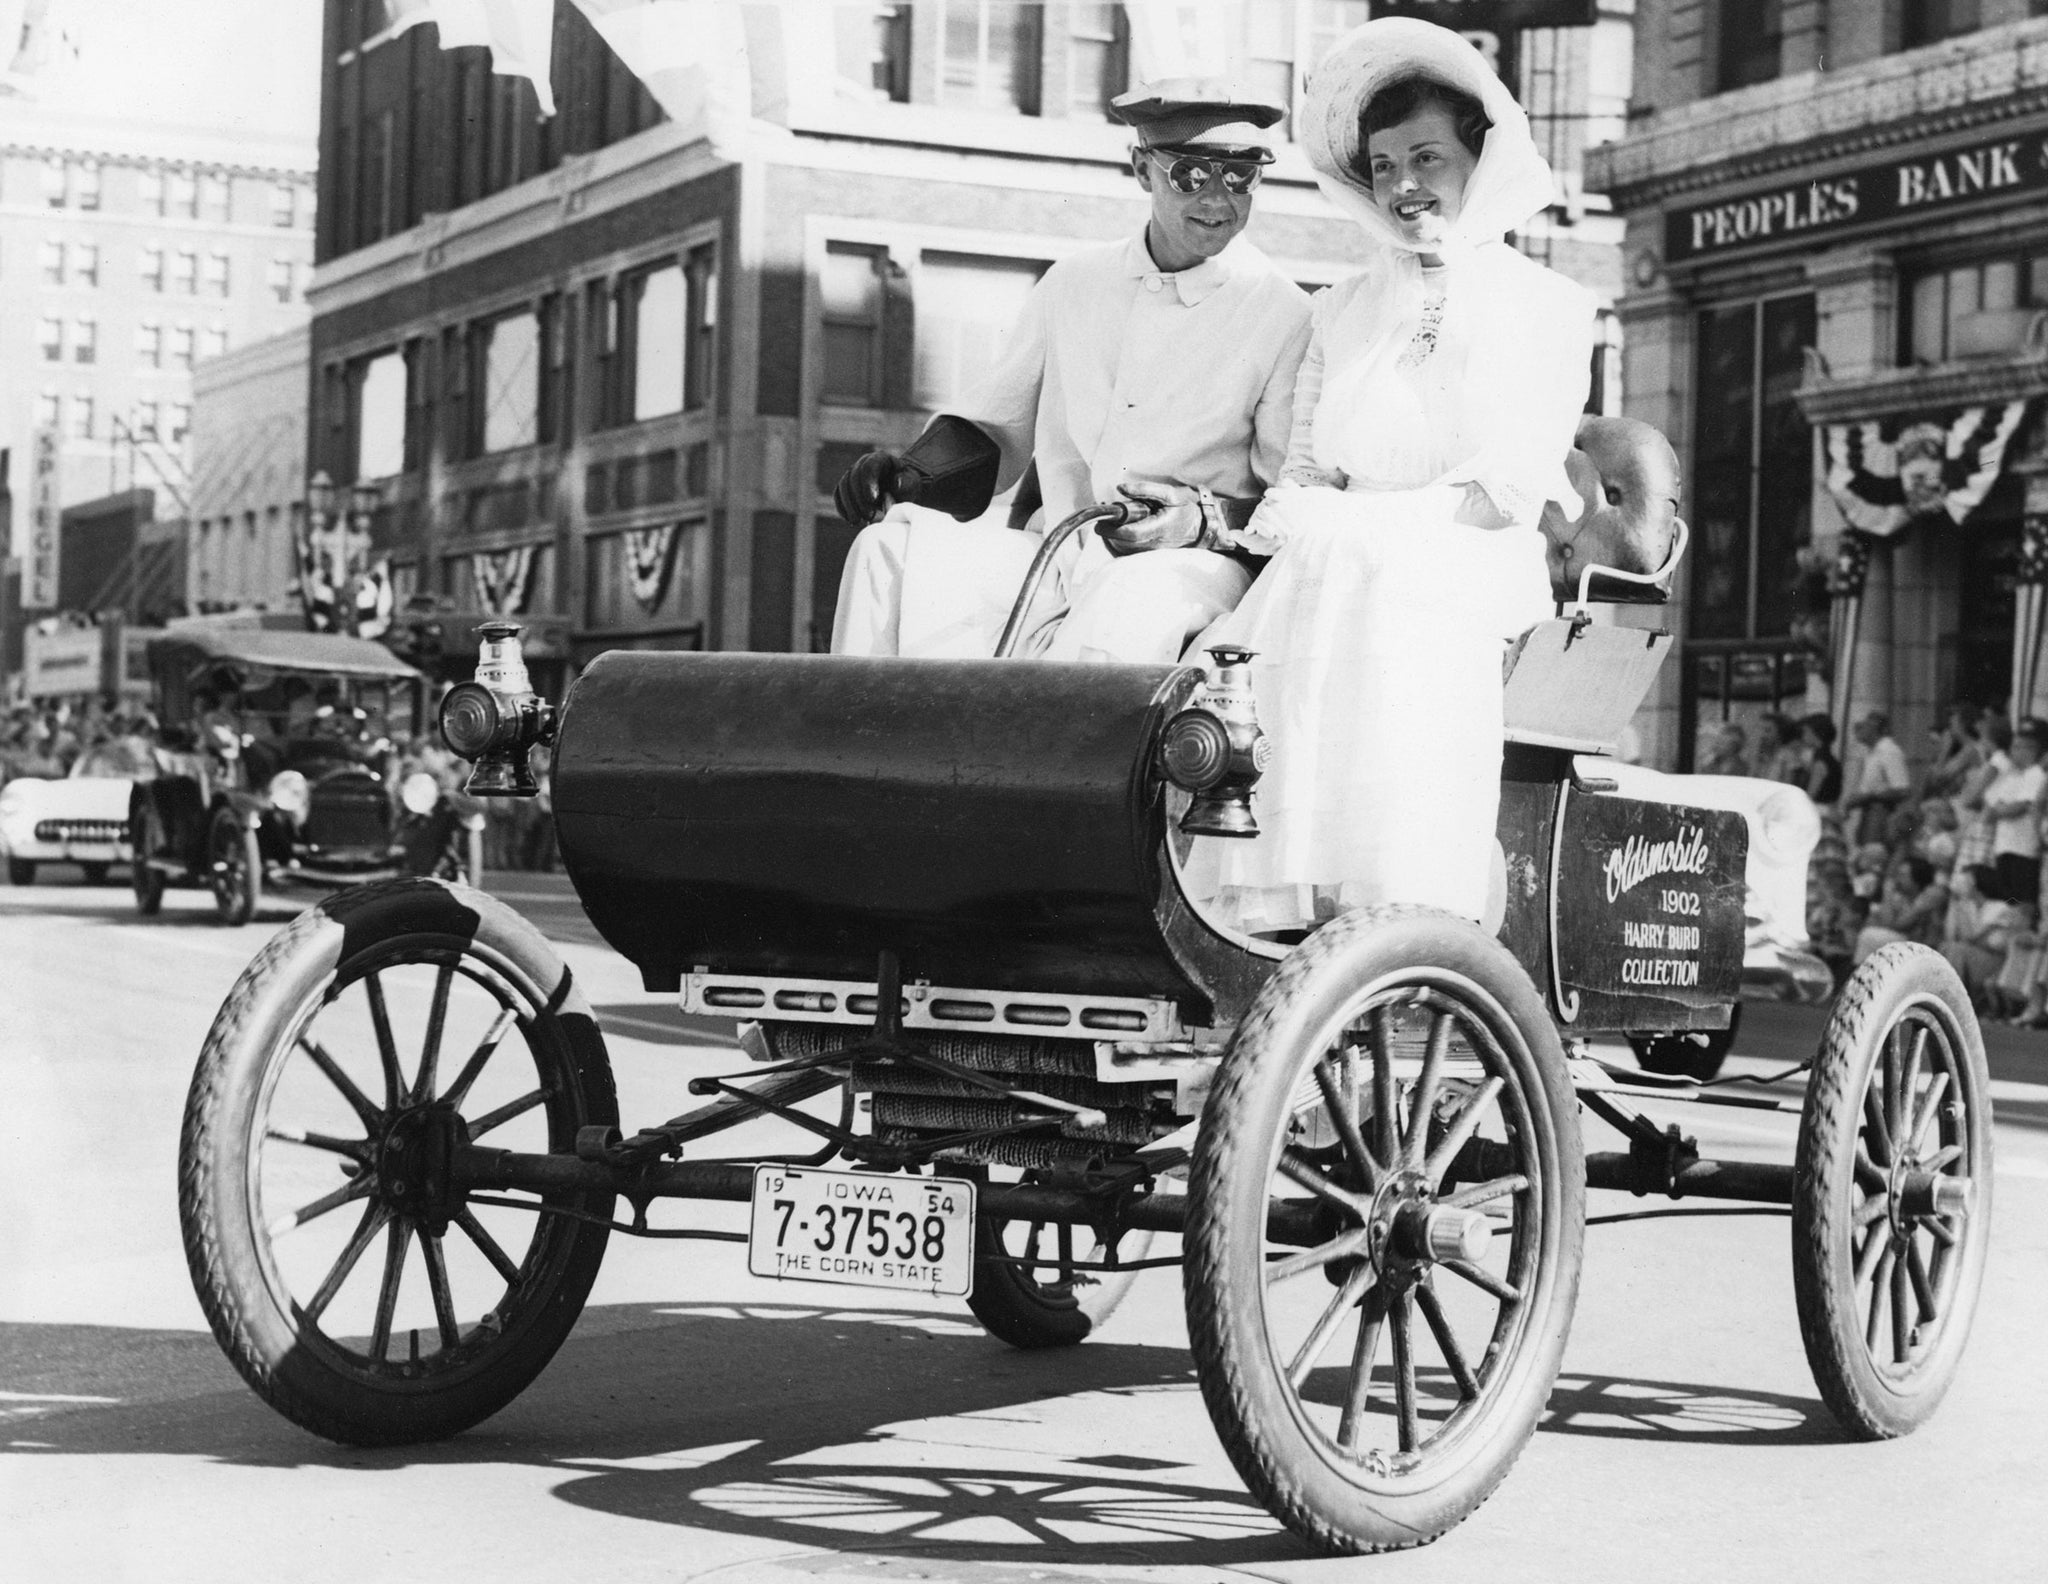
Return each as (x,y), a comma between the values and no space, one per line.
(1891,1210)
(235,868)
(358,1286)
(21,871)
(145,837)
(1392,1121)
(1027,1291)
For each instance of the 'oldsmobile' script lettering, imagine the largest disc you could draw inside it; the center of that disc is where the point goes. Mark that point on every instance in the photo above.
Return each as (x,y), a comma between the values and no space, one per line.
(1636,860)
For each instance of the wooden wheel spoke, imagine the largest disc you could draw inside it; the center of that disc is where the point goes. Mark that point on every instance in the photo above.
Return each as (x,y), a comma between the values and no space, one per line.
(387,1047)
(1385,1123)
(473,1068)
(1312,1345)
(1446,1340)
(1471,1197)
(1371,1316)
(487,1245)
(505,1113)
(1876,1135)
(1868,1173)
(1902,1330)
(1402,1316)
(1350,1244)
(1909,1082)
(1872,1209)
(354,1149)
(1923,1288)
(1867,1256)
(1460,1130)
(1942,1230)
(1298,1168)
(374,1217)
(1345,1120)
(1944,1157)
(437,1280)
(430,1047)
(355,1188)
(1879,1287)
(1930,1109)
(371,1118)
(398,1236)
(1424,1099)
(1483,1279)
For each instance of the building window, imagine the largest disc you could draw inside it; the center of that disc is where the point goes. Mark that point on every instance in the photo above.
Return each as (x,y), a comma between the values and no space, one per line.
(1751,31)
(1972,310)
(991,56)
(279,279)
(181,426)
(53,263)
(1752,469)
(850,292)
(185,272)
(149,186)
(85,263)
(380,415)
(888,43)
(216,198)
(1269,67)
(56,183)
(85,341)
(965,308)
(85,191)
(702,269)
(217,274)
(508,365)
(1098,58)
(50,337)
(152,269)
(49,409)
(283,204)
(213,341)
(182,198)
(181,347)
(652,307)
(1931,21)
(81,417)
(149,345)
(143,424)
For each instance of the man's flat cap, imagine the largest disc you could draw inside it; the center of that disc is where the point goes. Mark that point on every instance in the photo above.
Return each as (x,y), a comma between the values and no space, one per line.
(1193,110)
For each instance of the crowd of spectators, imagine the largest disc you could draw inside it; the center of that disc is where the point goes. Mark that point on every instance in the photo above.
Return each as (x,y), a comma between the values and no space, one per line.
(45,738)
(1950,856)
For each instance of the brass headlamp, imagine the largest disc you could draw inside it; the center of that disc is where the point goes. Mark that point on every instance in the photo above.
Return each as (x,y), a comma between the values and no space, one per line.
(1214,749)
(495,720)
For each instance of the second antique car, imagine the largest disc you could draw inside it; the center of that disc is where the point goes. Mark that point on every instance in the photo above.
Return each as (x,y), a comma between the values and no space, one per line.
(80,817)
(278,758)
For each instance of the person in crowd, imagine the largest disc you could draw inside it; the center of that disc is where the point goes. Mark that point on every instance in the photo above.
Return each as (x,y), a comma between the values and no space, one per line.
(1777,756)
(1439,397)
(1834,914)
(1727,751)
(1973,839)
(1977,931)
(1883,780)
(1822,776)
(1162,367)
(2012,805)
(1957,750)
(1936,838)
(1913,906)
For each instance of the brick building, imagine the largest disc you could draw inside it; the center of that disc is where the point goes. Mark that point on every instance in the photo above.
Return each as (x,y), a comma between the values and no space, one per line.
(607,366)
(1837,270)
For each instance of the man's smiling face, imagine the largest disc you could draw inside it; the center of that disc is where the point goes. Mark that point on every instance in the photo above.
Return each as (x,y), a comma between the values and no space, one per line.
(1419,171)
(1187,228)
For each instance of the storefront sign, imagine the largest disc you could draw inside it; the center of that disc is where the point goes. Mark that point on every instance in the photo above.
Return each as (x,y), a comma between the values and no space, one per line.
(45,502)
(67,661)
(1998,168)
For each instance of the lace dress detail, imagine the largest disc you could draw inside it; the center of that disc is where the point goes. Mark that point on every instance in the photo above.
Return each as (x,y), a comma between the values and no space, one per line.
(1423,342)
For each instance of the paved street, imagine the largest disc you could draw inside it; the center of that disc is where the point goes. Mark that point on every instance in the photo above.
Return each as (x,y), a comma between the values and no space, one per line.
(701,1424)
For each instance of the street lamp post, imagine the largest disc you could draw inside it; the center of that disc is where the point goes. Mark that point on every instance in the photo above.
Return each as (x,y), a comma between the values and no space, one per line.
(338,545)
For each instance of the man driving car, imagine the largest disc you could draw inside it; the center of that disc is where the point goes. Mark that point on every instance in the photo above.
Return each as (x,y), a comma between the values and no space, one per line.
(1161,367)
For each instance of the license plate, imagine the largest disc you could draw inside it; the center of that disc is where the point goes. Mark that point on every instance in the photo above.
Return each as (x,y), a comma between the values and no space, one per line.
(863,1229)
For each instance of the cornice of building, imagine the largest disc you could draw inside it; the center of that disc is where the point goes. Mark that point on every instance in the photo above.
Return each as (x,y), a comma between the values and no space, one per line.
(39,132)
(287,351)
(1814,118)
(1924,388)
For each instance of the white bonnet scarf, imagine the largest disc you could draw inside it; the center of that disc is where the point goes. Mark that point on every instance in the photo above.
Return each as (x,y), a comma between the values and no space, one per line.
(1511,182)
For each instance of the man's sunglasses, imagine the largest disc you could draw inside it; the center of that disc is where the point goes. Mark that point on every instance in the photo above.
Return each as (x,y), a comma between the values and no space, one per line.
(1190,173)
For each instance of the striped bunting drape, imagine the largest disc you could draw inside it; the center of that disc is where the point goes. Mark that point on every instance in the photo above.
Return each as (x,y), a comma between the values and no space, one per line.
(2030,605)
(504,579)
(1887,472)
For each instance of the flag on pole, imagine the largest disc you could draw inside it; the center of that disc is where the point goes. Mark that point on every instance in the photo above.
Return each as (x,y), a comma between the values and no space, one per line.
(2030,605)
(691,54)
(35,37)
(520,34)
(1846,580)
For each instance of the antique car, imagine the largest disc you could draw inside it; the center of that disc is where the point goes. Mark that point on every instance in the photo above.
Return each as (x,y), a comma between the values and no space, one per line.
(80,819)
(996,1043)
(279,749)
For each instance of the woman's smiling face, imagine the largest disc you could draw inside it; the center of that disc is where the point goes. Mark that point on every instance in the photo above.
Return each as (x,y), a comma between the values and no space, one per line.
(1419,170)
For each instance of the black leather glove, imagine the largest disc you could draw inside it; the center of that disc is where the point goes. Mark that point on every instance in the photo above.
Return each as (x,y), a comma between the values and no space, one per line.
(870,487)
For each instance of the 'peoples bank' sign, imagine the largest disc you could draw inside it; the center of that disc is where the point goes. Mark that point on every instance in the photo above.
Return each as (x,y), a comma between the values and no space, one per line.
(1898,189)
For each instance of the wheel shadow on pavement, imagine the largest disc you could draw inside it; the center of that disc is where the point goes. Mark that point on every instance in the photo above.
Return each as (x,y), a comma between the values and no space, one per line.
(850,1430)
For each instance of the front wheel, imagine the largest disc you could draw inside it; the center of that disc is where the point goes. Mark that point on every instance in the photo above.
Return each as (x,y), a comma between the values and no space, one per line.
(1389,1165)
(21,871)
(352,1278)
(1891,1209)
(235,868)
(147,882)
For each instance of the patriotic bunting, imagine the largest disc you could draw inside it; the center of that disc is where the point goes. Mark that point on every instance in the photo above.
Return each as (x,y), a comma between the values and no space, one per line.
(1888,472)
(504,579)
(2030,604)
(316,582)
(649,554)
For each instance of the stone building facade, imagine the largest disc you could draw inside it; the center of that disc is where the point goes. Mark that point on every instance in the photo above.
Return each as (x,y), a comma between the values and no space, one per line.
(1836,267)
(607,367)
(248,493)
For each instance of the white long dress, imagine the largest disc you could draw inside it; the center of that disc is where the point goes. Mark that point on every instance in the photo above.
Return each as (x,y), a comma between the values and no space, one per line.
(1380,623)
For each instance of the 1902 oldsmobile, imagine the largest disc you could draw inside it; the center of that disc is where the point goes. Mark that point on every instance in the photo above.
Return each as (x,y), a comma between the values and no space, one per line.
(954,897)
